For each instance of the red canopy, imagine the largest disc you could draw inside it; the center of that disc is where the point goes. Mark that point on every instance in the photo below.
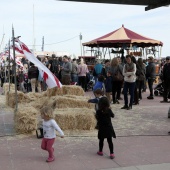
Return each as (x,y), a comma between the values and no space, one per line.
(123,37)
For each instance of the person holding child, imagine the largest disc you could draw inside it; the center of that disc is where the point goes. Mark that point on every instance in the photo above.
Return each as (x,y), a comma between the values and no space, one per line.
(105,127)
(49,127)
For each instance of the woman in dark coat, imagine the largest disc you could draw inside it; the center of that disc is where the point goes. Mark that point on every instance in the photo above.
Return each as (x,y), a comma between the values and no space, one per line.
(105,128)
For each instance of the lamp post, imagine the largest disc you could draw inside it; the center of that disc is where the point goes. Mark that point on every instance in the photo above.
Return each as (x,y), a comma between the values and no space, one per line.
(80,36)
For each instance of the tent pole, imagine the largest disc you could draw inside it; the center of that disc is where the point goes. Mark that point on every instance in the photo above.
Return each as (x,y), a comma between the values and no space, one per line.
(103,53)
(109,53)
(161,52)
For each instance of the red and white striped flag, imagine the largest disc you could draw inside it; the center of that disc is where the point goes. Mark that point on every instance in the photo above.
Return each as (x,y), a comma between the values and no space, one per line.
(50,79)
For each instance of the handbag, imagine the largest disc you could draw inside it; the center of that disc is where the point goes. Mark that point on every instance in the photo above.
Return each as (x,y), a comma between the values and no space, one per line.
(118,76)
(141,77)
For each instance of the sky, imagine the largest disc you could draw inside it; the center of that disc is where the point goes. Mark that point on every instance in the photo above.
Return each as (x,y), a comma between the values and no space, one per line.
(61,23)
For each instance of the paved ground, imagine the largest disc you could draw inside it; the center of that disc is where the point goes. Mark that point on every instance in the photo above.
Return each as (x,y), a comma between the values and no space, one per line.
(142,143)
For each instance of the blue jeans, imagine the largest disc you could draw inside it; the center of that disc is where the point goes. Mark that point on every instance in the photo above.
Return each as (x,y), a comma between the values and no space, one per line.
(74,77)
(128,87)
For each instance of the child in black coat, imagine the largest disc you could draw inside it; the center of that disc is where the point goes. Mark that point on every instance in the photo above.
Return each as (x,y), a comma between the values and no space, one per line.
(105,128)
(108,85)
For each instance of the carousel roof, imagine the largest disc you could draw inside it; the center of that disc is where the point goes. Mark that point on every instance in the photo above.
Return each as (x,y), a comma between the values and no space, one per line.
(123,37)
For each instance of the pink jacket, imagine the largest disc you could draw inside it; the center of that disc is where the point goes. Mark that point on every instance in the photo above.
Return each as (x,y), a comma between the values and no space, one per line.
(82,70)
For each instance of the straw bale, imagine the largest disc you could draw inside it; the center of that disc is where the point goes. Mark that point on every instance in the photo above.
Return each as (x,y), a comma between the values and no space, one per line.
(34,96)
(65,102)
(72,90)
(77,97)
(75,119)
(54,91)
(26,119)
(21,97)
(39,103)
(6,87)
(65,90)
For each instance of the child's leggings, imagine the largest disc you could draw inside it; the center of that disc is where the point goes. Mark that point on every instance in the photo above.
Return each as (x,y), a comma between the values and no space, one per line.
(47,145)
(110,143)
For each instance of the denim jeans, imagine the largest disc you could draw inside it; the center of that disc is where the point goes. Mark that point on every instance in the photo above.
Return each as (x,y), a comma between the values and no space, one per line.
(74,78)
(150,84)
(128,87)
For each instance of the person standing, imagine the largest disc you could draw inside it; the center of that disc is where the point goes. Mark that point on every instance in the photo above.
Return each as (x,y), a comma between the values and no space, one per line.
(106,68)
(82,71)
(66,69)
(49,127)
(166,80)
(105,127)
(21,80)
(116,67)
(129,72)
(2,75)
(140,73)
(33,73)
(108,85)
(74,76)
(97,70)
(150,75)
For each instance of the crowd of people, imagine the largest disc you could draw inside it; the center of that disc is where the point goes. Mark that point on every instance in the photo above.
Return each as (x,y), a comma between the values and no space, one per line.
(132,77)
(114,77)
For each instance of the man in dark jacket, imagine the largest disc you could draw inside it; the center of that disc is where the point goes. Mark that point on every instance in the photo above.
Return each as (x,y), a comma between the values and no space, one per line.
(66,71)
(150,75)
(166,80)
(33,73)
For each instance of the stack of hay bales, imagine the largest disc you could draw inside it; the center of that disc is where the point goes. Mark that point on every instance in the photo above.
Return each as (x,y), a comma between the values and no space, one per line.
(71,109)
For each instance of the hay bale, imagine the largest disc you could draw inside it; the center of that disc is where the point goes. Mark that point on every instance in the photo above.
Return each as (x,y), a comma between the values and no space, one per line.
(54,91)
(6,87)
(75,119)
(26,119)
(73,90)
(62,102)
(65,90)
(65,102)
(21,97)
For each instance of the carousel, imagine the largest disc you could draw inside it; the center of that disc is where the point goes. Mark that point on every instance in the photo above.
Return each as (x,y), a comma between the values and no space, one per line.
(121,42)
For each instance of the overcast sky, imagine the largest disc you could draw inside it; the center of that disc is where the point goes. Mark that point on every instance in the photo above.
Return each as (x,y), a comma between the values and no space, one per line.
(58,21)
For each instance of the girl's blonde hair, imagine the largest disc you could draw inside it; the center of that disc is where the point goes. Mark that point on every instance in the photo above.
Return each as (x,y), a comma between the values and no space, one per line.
(47,111)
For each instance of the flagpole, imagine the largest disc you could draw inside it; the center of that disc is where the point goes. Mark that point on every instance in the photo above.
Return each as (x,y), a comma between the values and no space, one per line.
(15,80)
(9,64)
(9,67)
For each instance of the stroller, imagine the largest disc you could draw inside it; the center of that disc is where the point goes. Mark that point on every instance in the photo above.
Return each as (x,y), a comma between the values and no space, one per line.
(91,83)
(159,90)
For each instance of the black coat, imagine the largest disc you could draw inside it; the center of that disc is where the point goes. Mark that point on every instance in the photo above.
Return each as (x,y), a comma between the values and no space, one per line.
(151,70)
(105,128)
(108,84)
(166,72)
